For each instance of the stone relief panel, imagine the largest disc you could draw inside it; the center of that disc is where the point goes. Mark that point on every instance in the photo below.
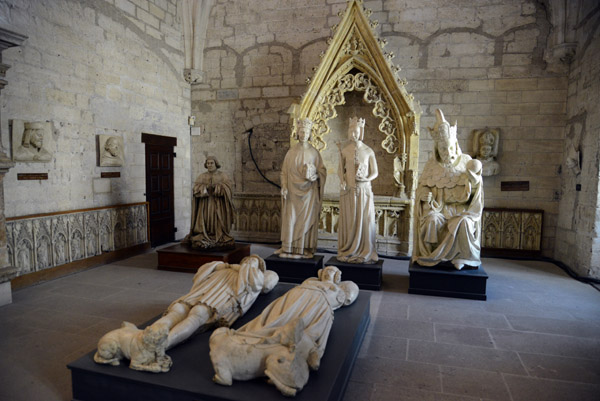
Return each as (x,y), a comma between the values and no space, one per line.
(492,228)
(110,151)
(42,234)
(24,255)
(32,141)
(60,237)
(76,236)
(485,149)
(531,231)
(512,229)
(39,243)
(106,232)
(92,247)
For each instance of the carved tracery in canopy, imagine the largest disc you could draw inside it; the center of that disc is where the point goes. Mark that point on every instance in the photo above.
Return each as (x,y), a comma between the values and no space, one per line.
(355,61)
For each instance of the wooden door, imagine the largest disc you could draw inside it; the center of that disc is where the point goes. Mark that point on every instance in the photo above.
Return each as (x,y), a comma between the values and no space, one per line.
(159,187)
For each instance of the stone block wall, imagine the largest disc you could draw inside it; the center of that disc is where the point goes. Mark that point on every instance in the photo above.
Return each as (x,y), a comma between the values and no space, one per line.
(578,231)
(95,67)
(481,62)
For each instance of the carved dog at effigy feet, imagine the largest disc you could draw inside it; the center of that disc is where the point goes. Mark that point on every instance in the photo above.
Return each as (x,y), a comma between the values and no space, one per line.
(144,348)
(284,358)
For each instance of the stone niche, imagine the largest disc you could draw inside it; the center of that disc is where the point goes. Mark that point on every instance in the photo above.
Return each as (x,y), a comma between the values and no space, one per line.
(354,78)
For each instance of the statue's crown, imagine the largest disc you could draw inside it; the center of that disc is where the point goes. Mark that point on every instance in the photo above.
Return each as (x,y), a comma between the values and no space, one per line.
(304,123)
(437,134)
(358,122)
(487,138)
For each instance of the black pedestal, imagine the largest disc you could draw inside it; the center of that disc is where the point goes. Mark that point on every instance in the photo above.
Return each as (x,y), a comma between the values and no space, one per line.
(446,281)
(184,258)
(294,270)
(366,276)
(190,377)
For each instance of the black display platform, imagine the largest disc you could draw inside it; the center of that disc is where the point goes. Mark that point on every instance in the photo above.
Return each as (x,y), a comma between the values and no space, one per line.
(366,276)
(294,270)
(190,377)
(180,257)
(445,281)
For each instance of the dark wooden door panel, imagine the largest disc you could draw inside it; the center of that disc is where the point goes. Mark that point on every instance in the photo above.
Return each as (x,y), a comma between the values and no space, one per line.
(159,189)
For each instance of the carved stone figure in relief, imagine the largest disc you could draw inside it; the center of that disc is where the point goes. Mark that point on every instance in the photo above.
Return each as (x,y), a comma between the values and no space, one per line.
(212,209)
(31,147)
(303,178)
(221,293)
(144,348)
(287,338)
(485,143)
(448,203)
(112,153)
(357,228)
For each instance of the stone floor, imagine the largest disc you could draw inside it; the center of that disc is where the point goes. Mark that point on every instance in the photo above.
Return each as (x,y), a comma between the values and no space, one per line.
(537,337)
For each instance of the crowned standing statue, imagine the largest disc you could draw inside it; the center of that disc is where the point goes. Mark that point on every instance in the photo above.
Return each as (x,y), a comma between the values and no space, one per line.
(303,178)
(448,203)
(356,228)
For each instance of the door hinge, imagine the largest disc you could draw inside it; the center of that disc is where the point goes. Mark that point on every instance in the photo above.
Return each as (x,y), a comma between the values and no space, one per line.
(174,154)
(174,229)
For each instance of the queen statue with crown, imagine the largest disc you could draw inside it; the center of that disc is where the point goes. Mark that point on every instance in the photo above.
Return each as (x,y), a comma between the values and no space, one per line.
(303,177)
(356,226)
(448,203)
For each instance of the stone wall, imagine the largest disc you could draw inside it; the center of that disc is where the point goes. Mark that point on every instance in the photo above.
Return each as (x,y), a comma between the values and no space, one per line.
(578,231)
(481,62)
(95,67)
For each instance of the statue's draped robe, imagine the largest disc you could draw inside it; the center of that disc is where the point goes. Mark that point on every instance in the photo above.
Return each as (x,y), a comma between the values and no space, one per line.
(212,215)
(310,305)
(301,208)
(228,290)
(449,229)
(356,224)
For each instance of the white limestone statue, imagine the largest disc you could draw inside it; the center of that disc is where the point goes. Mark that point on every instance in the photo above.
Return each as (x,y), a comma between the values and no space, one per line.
(485,144)
(144,348)
(303,178)
(212,209)
(111,150)
(32,141)
(448,204)
(357,228)
(221,293)
(287,338)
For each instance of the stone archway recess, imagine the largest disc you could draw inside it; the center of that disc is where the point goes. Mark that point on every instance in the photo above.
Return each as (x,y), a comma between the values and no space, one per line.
(355,61)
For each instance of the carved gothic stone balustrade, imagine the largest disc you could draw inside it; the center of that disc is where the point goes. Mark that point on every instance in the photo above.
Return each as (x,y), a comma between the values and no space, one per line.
(258,218)
(41,242)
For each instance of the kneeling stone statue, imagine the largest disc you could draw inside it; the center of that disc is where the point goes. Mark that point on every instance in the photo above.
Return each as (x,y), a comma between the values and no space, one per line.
(287,338)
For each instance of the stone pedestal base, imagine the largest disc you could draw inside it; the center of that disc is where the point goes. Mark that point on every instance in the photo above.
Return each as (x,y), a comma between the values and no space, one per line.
(6,274)
(445,281)
(190,377)
(294,270)
(184,258)
(366,276)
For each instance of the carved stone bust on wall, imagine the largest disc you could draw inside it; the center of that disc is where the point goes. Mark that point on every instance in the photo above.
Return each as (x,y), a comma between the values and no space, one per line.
(32,141)
(110,149)
(485,148)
